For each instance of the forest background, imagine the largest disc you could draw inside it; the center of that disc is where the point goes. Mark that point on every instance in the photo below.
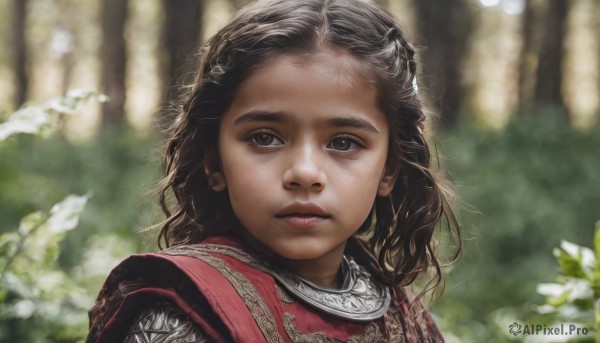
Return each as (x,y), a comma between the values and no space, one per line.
(514,84)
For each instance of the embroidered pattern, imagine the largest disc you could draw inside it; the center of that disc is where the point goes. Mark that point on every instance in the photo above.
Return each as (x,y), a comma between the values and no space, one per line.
(392,320)
(371,335)
(164,323)
(255,303)
(362,300)
(283,296)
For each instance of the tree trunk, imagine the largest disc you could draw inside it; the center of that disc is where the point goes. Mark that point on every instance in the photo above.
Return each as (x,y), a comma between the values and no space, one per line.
(549,73)
(68,62)
(528,57)
(181,37)
(114,60)
(445,27)
(19,10)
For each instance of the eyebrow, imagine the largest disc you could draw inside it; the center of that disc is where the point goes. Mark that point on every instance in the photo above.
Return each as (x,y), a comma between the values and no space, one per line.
(353,123)
(252,116)
(281,117)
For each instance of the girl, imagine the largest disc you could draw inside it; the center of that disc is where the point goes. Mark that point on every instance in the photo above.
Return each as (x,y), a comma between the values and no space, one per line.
(303,200)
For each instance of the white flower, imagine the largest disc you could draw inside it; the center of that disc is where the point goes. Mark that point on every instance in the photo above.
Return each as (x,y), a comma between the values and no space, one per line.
(26,120)
(64,216)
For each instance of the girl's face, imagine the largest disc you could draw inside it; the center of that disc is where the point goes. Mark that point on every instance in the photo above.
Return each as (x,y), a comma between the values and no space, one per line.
(303,152)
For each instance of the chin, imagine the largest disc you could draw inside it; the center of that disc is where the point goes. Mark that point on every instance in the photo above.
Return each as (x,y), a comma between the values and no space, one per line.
(299,256)
(300,252)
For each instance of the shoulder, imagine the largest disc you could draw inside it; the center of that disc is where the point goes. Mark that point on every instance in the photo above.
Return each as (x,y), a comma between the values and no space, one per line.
(187,261)
(190,277)
(163,322)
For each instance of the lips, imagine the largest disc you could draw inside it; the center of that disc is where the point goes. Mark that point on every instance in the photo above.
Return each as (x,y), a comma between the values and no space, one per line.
(304,209)
(303,215)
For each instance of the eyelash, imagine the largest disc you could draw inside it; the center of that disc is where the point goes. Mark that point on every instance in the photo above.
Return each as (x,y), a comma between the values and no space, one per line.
(252,139)
(354,143)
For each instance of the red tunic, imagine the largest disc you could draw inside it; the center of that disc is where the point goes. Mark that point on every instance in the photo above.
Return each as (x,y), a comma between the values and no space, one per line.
(232,297)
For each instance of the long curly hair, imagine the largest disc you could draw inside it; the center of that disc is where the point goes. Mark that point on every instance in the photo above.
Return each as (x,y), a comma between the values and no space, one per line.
(396,240)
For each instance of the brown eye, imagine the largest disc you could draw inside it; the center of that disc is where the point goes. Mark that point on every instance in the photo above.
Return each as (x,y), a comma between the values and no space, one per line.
(265,139)
(343,144)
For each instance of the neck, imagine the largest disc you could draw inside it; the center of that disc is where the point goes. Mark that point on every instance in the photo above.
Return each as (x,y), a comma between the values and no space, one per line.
(324,271)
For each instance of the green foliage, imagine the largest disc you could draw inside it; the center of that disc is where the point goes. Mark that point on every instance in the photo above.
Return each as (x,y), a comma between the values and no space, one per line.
(530,185)
(43,119)
(118,167)
(32,282)
(574,297)
(50,273)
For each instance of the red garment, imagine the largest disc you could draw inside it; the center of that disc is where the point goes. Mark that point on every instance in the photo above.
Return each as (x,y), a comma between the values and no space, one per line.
(233,298)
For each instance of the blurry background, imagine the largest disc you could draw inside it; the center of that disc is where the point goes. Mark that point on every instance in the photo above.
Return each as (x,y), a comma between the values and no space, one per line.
(515,85)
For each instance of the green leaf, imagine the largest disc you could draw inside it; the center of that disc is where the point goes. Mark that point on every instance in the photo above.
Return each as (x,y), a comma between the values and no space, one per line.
(3,295)
(576,261)
(569,264)
(559,300)
(8,243)
(31,222)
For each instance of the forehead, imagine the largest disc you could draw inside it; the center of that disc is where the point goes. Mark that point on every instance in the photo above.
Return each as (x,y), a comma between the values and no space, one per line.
(335,63)
(331,78)
(332,62)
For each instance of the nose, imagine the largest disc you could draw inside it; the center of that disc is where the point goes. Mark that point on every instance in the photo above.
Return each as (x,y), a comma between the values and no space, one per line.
(306,170)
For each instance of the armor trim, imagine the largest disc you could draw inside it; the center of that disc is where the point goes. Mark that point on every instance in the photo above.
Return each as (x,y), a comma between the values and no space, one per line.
(361,300)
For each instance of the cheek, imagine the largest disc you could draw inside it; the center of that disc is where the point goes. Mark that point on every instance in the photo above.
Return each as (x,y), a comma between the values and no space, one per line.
(368,171)
(249,186)
(246,177)
(372,178)
(358,185)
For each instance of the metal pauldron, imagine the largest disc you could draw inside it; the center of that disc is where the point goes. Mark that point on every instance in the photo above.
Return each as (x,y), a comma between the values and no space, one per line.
(162,323)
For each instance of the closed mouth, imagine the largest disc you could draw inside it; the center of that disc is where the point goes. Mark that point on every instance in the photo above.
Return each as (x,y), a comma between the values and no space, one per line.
(302,215)
(303,210)
(302,220)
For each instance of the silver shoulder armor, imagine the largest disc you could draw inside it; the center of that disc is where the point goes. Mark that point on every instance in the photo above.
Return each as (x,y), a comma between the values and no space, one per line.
(162,323)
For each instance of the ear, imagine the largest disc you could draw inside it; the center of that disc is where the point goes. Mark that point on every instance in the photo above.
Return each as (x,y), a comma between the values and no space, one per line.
(388,179)
(216,181)
(212,170)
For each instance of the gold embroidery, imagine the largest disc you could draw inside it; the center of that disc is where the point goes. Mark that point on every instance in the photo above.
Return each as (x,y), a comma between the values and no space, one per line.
(283,296)
(258,308)
(363,299)
(238,254)
(371,335)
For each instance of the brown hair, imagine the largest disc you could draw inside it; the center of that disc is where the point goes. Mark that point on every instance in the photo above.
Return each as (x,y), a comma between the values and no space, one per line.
(397,235)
